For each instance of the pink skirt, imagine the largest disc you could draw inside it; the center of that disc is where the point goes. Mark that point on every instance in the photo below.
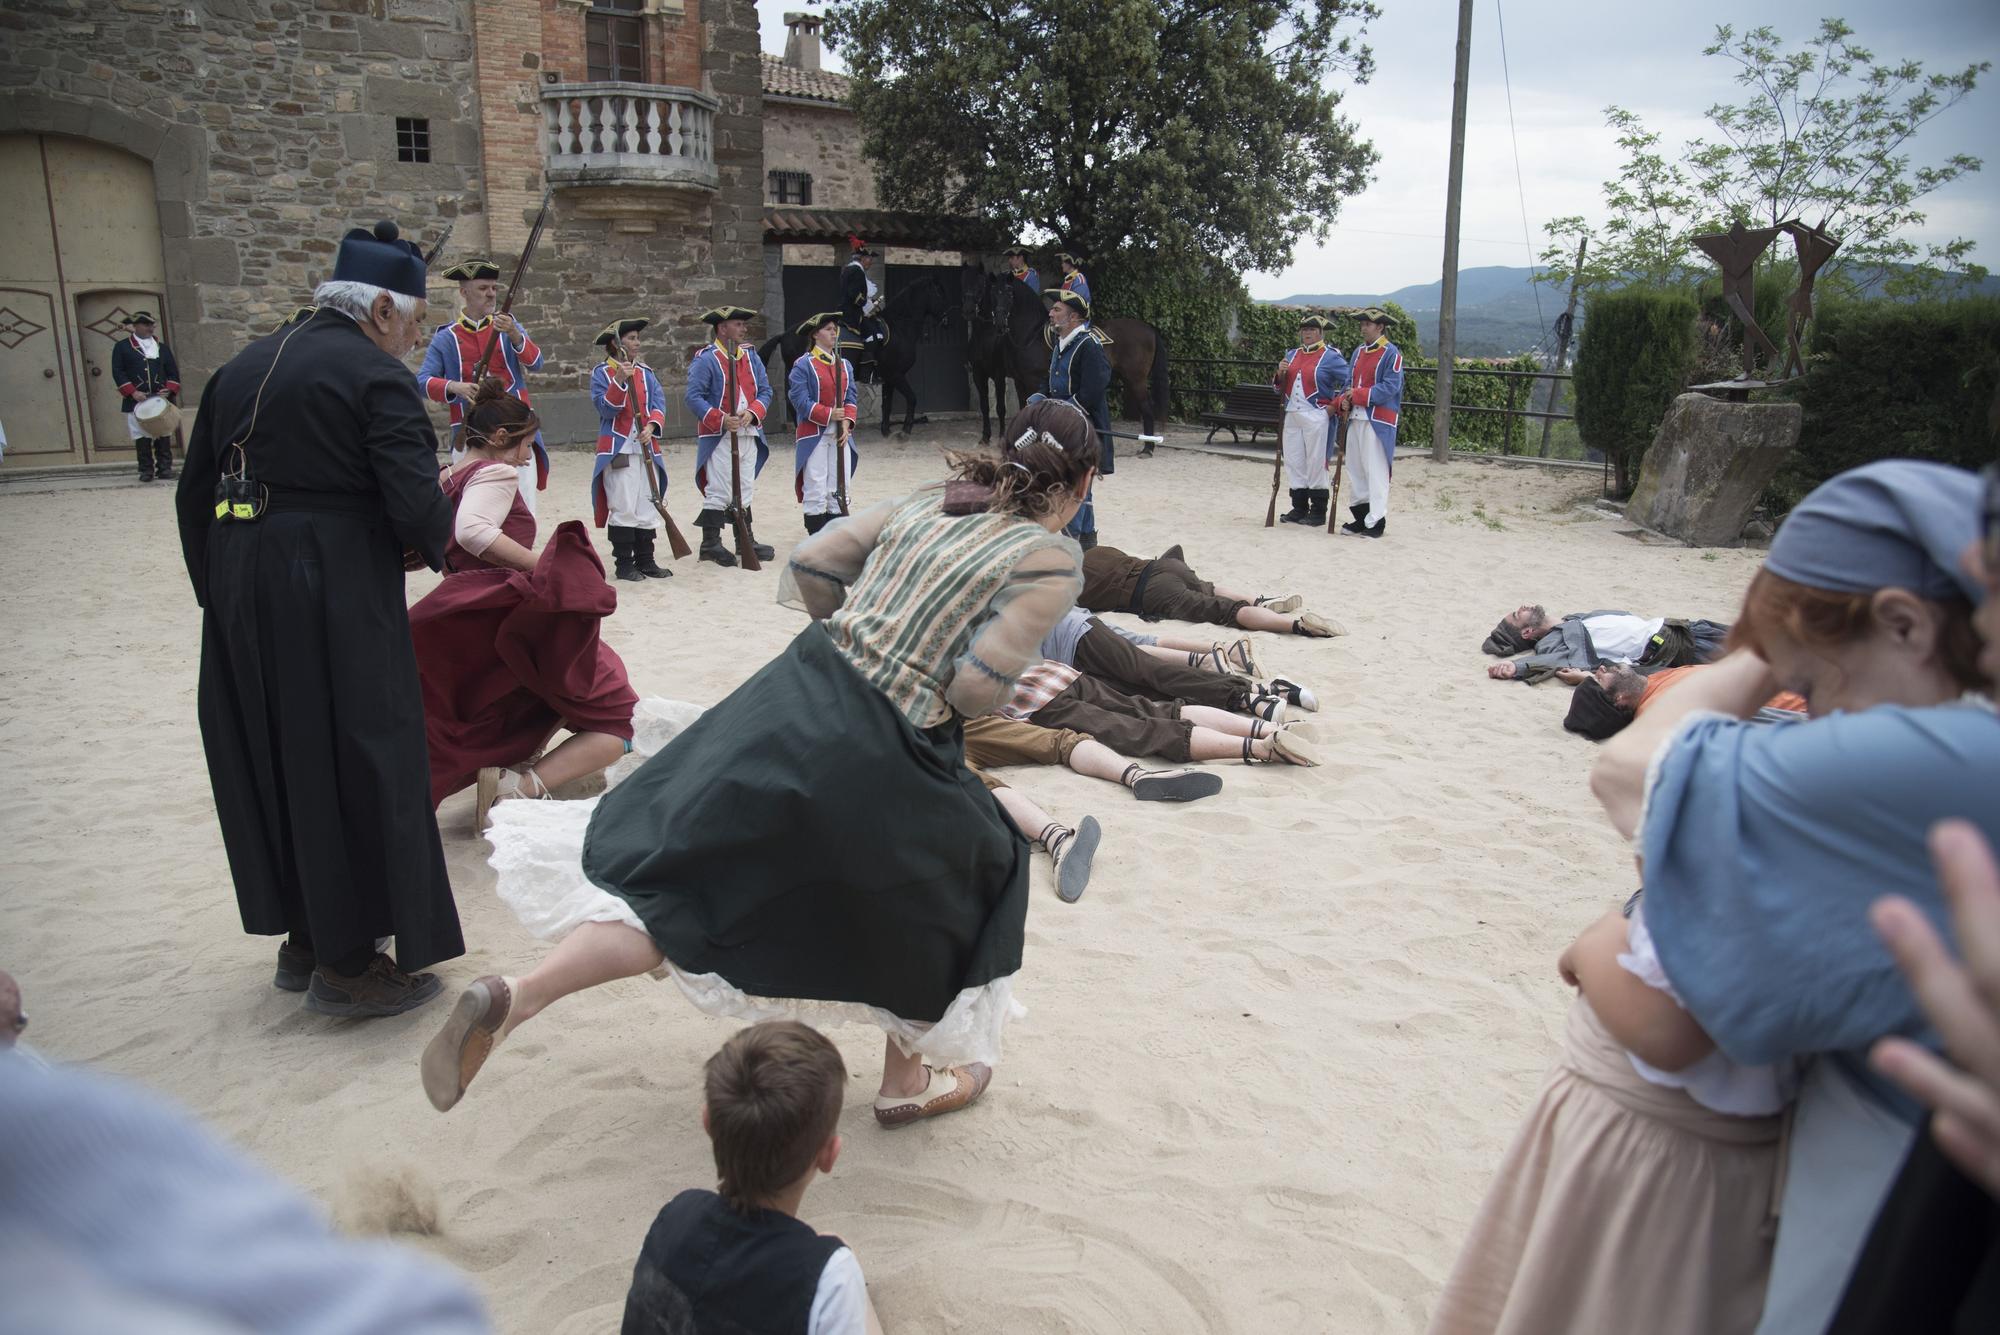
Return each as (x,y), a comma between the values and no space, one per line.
(1621,1206)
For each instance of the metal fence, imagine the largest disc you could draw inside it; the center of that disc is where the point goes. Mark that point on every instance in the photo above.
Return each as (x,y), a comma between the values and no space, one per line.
(1513,393)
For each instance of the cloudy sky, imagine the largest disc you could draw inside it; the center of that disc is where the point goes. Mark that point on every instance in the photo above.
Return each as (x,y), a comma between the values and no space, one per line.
(1567,63)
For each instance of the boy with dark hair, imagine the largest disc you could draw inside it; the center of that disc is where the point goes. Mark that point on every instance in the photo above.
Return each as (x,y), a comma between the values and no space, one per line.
(739,1258)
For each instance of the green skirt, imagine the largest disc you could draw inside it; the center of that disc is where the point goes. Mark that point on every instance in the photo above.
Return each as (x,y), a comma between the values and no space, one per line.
(804,841)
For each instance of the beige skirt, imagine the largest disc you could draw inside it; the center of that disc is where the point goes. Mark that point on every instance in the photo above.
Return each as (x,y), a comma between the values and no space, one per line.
(1621,1206)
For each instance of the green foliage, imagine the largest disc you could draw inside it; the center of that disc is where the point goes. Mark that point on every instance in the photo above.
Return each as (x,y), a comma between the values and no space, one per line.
(1190,303)
(1269,332)
(1895,380)
(1175,127)
(1823,133)
(1637,348)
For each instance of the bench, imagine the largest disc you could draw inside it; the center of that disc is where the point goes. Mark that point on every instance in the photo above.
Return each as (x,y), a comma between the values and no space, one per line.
(1252,405)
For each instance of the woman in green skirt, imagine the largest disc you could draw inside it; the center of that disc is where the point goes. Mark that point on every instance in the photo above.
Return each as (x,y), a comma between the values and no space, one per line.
(814,846)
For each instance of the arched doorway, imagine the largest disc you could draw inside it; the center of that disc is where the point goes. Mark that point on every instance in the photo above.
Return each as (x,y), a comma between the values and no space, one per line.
(82,250)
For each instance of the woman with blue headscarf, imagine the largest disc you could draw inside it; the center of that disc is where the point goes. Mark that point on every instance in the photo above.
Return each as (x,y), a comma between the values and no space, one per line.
(1750,955)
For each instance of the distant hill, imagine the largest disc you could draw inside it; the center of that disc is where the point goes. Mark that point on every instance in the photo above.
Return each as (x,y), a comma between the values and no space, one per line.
(1496,308)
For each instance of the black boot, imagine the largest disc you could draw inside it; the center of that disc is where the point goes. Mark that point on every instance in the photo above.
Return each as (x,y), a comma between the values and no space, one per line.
(642,555)
(1317,499)
(764,553)
(144,449)
(1355,526)
(1381,527)
(1297,514)
(621,552)
(163,457)
(710,524)
(814,523)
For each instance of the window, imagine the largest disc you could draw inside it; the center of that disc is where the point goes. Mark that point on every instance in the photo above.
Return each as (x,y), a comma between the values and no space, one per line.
(614,41)
(791,187)
(413,139)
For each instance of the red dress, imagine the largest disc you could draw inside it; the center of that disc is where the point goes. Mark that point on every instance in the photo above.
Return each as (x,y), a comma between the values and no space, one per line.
(506,656)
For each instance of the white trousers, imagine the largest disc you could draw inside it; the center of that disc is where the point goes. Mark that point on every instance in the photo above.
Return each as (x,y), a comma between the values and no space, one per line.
(716,495)
(629,497)
(1303,438)
(526,473)
(821,480)
(1367,467)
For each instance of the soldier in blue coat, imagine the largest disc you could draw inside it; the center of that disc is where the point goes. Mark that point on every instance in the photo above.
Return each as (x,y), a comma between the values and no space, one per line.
(1080,374)
(1073,279)
(1021,272)
(142,367)
(729,394)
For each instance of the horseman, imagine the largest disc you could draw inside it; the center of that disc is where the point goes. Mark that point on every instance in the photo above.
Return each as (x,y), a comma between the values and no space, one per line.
(1080,374)
(861,299)
(728,393)
(1308,379)
(457,347)
(1073,279)
(1018,270)
(821,388)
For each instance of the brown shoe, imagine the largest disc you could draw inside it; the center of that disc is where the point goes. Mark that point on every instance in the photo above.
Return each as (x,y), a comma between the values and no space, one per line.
(452,1058)
(379,989)
(967,1083)
(295,968)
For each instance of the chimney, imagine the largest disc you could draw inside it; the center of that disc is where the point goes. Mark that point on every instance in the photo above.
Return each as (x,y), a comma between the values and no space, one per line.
(802,47)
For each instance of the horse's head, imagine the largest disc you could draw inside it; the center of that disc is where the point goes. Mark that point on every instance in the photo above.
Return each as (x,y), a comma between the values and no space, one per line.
(919,307)
(1021,313)
(973,302)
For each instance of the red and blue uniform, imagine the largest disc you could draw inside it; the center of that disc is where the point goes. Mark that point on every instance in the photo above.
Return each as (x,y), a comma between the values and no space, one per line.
(1376,385)
(1077,283)
(709,397)
(455,349)
(622,409)
(814,387)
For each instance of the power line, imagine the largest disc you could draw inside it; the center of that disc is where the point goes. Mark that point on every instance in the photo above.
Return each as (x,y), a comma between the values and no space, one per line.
(1519,186)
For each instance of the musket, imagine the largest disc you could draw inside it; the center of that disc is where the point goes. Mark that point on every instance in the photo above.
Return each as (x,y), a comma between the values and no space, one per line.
(677,544)
(1142,438)
(430,256)
(1277,476)
(746,550)
(840,431)
(1339,460)
(514,284)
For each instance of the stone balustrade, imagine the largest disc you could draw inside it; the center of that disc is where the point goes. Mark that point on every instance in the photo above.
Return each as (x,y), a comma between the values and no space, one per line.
(629,134)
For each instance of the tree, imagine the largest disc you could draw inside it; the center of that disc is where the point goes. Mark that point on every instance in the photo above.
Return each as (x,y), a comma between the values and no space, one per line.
(1823,133)
(1171,127)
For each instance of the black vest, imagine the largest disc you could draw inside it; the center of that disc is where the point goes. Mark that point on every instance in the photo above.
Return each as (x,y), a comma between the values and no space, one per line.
(705,1269)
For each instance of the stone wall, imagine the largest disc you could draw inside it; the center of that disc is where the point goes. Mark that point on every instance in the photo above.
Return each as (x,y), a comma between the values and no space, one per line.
(823,140)
(270,126)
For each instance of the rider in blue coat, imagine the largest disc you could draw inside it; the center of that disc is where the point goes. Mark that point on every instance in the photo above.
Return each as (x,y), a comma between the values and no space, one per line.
(1073,279)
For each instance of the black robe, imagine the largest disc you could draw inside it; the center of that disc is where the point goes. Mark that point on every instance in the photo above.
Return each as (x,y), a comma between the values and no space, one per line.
(310,709)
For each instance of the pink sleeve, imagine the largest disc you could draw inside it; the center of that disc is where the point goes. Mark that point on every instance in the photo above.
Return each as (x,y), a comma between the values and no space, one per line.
(482,505)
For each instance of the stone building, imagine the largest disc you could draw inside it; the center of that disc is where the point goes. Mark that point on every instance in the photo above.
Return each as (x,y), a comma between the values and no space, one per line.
(202,157)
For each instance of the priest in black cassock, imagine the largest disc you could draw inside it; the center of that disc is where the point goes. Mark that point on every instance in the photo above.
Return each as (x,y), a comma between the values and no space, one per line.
(310,486)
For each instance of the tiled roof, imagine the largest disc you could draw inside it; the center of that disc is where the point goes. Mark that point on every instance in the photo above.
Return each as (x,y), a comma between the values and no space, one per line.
(782,80)
(883,226)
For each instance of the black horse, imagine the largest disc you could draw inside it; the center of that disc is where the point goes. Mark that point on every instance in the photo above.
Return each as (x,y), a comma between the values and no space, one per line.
(912,315)
(1008,339)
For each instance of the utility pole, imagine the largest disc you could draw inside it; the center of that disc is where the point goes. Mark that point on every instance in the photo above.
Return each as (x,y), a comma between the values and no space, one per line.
(1562,341)
(1448,307)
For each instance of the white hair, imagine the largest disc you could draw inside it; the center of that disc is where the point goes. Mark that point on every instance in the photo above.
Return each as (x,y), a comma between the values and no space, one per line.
(355,300)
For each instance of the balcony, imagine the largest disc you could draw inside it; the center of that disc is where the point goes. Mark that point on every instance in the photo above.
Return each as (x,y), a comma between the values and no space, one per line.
(631,152)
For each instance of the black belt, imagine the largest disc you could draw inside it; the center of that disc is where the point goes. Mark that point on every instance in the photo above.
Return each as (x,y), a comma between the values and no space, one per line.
(1136,607)
(293,500)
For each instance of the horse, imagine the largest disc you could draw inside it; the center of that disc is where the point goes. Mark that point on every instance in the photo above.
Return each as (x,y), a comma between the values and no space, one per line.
(1137,352)
(916,309)
(982,293)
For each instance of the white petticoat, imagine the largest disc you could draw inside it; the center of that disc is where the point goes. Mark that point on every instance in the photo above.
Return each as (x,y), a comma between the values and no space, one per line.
(538,853)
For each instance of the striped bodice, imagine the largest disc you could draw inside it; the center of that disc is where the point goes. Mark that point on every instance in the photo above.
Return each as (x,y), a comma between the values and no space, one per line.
(923,593)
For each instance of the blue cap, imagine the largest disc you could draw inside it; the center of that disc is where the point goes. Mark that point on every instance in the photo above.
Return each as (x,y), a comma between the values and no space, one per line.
(1892,524)
(381,258)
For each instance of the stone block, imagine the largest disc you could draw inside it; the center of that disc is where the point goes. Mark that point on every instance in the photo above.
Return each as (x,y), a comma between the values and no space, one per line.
(448,46)
(384,37)
(1708,464)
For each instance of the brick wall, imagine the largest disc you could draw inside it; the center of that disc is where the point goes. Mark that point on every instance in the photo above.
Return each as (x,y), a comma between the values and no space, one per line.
(270,127)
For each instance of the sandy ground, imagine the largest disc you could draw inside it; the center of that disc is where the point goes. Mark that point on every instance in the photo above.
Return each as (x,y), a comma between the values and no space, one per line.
(1271,1057)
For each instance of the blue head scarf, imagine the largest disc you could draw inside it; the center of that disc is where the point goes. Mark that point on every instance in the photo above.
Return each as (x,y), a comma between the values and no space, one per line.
(1892,524)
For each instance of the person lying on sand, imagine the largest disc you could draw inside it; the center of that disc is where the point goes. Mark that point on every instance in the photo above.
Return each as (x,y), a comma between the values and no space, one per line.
(1588,639)
(1609,697)
(1120,658)
(1167,589)
(1055,695)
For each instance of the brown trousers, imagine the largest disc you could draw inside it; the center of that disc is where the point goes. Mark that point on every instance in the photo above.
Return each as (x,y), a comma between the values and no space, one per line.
(1111,658)
(1127,724)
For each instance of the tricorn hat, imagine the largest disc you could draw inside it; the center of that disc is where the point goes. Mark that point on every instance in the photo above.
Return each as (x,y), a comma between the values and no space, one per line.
(467,271)
(1068,257)
(1010,254)
(138,317)
(1375,315)
(818,322)
(381,258)
(716,315)
(1073,300)
(617,329)
(1313,322)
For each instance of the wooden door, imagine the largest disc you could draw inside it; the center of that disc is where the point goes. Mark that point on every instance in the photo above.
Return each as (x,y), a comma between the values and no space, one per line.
(98,330)
(34,386)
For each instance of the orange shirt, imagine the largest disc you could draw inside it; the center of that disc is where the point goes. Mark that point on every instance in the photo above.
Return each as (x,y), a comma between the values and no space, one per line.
(1659,681)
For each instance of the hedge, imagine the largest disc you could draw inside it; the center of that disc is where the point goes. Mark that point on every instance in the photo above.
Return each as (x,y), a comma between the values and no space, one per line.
(1891,379)
(1637,347)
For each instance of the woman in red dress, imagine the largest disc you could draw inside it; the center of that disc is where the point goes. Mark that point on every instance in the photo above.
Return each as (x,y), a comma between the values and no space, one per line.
(507,645)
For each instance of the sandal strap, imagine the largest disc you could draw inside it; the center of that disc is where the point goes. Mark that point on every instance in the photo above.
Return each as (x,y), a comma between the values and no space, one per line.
(1132,771)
